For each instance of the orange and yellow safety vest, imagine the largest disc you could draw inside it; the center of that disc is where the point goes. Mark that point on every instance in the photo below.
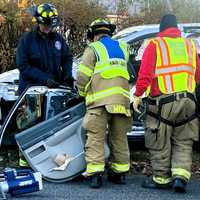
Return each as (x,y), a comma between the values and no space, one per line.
(175,64)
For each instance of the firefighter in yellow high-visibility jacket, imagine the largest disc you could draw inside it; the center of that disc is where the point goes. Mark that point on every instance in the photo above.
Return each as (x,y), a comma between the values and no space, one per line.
(170,69)
(103,80)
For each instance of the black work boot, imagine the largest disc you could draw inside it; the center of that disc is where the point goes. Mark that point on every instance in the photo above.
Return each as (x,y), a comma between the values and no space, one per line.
(151,184)
(117,178)
(179,185)
(96,180)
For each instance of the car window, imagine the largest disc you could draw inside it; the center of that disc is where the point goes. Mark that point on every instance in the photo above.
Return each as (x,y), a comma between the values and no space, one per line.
(136,50)
(59,101)
(140,51)
(28,113)
(196,39)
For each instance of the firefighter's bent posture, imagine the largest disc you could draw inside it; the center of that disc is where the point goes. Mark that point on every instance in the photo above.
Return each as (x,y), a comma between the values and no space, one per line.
(103,81)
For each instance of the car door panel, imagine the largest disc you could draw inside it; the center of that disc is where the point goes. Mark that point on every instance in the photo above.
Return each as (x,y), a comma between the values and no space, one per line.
(50,127)
(43,142)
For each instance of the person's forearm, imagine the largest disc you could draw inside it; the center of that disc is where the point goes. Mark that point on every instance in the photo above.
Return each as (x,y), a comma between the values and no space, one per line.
(33,73)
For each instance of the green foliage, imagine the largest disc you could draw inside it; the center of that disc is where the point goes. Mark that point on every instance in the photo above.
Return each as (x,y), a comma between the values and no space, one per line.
(10,31)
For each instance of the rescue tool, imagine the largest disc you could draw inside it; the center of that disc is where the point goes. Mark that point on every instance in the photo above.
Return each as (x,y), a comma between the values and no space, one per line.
(16,182)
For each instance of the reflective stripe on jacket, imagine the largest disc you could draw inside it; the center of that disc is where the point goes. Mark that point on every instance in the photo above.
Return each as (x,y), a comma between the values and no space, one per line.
(176,64)
(107,83)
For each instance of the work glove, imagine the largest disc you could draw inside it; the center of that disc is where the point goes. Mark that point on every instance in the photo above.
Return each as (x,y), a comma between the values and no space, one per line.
(136,102)
(69,81)
(52,84)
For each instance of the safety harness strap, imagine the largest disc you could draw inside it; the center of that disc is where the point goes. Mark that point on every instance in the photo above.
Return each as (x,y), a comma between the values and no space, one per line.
(170,123)
(169,99)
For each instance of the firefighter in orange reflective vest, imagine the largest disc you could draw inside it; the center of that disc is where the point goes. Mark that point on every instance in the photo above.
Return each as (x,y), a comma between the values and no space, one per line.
(169,72)
(103,80)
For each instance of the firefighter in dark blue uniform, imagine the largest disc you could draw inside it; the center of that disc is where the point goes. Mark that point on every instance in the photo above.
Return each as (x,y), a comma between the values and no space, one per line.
(43,57)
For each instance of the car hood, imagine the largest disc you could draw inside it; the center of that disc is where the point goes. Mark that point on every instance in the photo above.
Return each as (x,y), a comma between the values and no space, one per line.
(9,85)
(9,76)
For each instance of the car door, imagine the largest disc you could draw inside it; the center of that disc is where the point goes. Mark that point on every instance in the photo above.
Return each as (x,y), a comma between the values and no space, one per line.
(46,124)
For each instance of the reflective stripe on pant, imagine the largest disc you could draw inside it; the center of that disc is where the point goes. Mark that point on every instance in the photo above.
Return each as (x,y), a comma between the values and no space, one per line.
(95,123)
(93,168)
(178,172)
(120,168)
(23,163)
(22,160)
(162,180)
(171,148)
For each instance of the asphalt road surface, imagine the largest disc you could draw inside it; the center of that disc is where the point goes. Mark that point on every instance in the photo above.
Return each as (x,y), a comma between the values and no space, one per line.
(79,190)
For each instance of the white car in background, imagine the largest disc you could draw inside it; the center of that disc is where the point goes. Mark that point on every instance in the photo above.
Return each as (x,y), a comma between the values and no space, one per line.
(9,84)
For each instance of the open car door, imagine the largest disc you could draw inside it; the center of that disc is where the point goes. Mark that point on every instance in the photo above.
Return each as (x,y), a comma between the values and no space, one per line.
(47,123)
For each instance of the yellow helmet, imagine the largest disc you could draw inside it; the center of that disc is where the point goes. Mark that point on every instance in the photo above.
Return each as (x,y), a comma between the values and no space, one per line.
(46,14)
(100,26)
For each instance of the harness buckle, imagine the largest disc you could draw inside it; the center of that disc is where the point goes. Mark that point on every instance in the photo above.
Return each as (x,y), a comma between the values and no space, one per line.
(157,101)
(177,97)
(181,95)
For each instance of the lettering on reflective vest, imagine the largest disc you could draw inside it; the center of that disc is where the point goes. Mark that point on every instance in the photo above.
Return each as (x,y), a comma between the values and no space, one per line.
(119,109)
(116,62)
